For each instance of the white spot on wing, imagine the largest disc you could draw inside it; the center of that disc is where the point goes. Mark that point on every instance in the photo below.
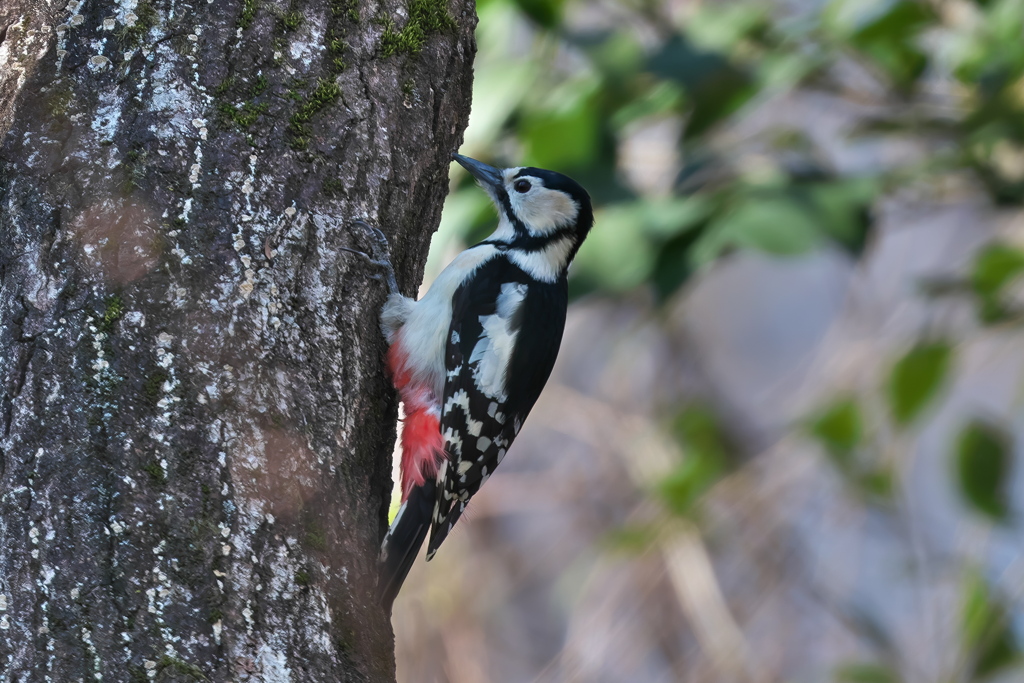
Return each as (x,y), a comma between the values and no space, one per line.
(460,399)
(493,351)
(454,441)
(510,299)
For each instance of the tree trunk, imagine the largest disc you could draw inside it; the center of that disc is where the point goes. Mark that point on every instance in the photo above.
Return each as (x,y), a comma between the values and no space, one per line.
(195,426)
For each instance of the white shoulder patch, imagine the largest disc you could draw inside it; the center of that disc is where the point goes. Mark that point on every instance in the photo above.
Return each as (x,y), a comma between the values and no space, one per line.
(494,349)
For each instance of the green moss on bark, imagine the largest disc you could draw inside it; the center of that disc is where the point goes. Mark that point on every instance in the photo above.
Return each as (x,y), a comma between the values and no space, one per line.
(326,92)
(425,17)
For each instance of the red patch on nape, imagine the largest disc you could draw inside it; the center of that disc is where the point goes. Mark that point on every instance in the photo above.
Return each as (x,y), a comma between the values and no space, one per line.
(422,444)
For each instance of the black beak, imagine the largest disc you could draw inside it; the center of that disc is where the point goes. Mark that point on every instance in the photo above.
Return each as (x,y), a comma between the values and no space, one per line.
(488,176)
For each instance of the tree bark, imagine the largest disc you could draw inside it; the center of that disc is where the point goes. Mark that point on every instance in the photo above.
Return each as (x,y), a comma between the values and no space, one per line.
(195,425)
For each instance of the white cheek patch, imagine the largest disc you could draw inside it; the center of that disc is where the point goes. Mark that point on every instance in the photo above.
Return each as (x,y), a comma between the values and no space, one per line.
(543,211)
(494,349)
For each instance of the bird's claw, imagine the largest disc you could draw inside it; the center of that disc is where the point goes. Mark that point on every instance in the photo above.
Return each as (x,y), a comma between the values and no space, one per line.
(381,257)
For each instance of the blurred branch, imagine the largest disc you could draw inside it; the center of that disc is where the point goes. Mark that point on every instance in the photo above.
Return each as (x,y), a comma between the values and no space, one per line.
(649,456)
(699,594)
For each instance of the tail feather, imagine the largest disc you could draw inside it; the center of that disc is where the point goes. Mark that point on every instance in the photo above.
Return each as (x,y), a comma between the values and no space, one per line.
(444,528)
(403,541)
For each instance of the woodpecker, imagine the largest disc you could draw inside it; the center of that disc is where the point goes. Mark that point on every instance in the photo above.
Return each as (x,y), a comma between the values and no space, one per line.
(470,358)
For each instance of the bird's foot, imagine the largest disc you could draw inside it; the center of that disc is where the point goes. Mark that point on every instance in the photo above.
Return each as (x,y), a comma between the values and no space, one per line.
(380,256)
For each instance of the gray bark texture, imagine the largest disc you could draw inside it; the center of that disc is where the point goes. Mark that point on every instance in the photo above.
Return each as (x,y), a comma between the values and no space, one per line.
(195,422)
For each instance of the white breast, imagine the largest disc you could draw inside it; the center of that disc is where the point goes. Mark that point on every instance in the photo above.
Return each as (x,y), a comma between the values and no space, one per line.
(424,335)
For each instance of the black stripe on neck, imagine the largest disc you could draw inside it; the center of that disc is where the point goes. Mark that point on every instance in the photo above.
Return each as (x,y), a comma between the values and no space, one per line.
(506,207)
(532,243)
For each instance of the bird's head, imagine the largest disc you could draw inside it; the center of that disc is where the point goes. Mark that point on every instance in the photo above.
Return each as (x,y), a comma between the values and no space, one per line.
(540,212)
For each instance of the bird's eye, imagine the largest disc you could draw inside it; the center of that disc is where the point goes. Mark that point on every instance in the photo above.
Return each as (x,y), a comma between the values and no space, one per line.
(522,185)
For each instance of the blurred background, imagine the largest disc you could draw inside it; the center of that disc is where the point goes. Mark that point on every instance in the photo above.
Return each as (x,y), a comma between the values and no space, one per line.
(781,440)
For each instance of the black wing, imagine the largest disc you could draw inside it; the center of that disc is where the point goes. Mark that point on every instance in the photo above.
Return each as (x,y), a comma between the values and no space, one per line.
(485,404)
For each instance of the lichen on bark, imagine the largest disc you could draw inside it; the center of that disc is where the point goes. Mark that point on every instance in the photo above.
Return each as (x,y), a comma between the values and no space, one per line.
(195,428)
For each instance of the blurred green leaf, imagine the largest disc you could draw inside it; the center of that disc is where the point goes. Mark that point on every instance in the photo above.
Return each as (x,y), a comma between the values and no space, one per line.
(563,137)
(915,380)
(897,19)
(666,218)
(715,87)
(844,17)
(1005,20)
(866,673)
(705,460)
(720,26)
(844,208)
(497,91)
(984,452)
(777,71)
(890,39)
(994,267)
(682,222)
(697,428)
(1002,177)
(615,257)
(986,628)
(991,311)
(618,56)
(990,64)
(674,266)
(840,429)
(631,540)
(775,225)
(681,489)
(547,13)
(663,98)
(877,483)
